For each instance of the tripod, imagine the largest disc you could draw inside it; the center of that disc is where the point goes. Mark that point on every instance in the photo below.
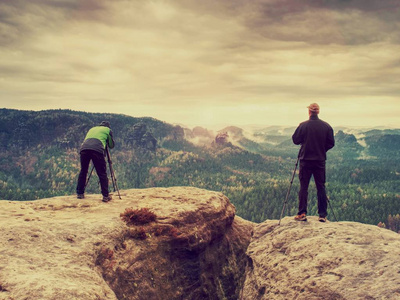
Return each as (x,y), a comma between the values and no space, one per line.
(288,192)
(112,174)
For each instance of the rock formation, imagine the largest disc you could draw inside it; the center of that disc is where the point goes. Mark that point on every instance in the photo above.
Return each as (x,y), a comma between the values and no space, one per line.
(234,132)
(186,243)
(177,133)
(65,248)
(221,138)
(313,260)
(141,137)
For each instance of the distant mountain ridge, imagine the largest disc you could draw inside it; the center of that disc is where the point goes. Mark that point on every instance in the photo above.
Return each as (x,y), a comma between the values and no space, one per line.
(66,127)
(27,129)
(374,142)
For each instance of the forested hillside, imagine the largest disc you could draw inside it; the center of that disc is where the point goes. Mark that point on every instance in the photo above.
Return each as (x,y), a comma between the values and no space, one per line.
(39,158)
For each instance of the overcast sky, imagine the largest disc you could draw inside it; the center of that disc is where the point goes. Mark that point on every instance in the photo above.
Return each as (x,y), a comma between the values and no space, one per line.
(205,62)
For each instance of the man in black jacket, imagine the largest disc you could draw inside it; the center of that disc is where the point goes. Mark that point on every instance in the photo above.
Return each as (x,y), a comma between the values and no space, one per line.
(316,138)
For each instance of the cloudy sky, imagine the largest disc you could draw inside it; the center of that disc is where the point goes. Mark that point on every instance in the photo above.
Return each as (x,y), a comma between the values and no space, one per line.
(208,62)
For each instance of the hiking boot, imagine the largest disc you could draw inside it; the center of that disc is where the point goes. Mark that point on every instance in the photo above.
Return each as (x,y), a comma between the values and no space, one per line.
(301,217)
(107,198)
(80,196)
(322,219)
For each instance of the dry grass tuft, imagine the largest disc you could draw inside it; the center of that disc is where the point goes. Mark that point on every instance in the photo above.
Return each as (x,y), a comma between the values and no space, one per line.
(138,216)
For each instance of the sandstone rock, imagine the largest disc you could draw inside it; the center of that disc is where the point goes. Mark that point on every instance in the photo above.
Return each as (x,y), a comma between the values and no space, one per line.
(141,137)
(177,133)
(234,132)
(313,260)
(65,248)
(221,138)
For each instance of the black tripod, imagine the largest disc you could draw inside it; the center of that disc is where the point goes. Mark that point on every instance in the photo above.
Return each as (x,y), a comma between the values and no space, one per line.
(112,174)
(288,192)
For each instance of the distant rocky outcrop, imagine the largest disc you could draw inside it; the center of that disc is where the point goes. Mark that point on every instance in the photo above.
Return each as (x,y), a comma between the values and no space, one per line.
(342,137)
(234,132)
(186,243)
(177,133)
(141,137)
(222,144)
(233,135)
(222,139)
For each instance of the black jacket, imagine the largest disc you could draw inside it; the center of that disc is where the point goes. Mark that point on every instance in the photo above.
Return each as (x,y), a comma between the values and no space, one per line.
(315,137)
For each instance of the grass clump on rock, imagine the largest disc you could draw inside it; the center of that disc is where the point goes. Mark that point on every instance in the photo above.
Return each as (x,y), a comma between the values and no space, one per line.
(138,216)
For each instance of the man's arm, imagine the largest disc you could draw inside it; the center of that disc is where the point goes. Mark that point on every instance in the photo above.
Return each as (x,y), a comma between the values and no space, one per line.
(330,140)
(297,136)
(110,140)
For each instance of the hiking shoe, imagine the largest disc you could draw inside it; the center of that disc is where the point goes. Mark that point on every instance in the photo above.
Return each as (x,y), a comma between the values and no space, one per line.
(322,219)
(80,196)
(301,217)
(107,198)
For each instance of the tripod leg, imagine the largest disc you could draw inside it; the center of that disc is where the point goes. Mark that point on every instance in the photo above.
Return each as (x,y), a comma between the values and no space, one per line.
(114,181)
(90,175)
(112,174)
(288,192)
(329,202)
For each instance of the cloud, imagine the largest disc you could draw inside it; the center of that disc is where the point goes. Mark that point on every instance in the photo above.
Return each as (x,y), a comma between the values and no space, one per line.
(313,22)
(215,59)
(323,24)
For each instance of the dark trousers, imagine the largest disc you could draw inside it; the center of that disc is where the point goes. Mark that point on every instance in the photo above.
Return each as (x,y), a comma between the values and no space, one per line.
(99,163)
(314,168)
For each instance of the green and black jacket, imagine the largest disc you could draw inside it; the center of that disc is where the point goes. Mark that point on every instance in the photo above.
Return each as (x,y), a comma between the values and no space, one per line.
(97,139)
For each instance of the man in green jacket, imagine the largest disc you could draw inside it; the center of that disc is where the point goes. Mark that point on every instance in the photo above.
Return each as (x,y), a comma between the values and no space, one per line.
(93,149)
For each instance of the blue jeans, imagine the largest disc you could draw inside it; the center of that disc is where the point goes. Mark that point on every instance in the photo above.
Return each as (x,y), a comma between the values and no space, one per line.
(100,165)
(314,168)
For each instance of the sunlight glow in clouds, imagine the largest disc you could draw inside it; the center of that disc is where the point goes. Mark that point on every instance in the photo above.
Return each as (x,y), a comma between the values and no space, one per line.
(205,62)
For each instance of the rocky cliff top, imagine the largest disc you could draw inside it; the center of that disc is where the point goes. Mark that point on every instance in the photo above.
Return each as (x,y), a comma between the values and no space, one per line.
(65,248)
(314,260)
(186,243)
